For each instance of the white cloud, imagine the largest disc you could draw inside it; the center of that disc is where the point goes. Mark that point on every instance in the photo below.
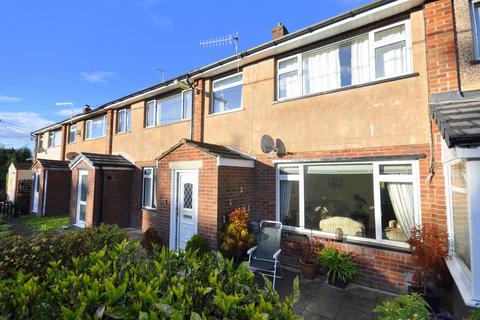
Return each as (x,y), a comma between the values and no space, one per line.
(8,98)
(15,127)
(97,76)
(68,112)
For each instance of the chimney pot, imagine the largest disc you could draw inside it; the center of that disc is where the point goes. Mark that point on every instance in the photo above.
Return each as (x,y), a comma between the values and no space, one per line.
(279,31)
(87,108)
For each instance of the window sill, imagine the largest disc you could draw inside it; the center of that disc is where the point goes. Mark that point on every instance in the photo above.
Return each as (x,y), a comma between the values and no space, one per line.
(372,243)
(166,125)
(97,138)
(464,284)
(121,133)
(225,112)
(367,84)
(149,210)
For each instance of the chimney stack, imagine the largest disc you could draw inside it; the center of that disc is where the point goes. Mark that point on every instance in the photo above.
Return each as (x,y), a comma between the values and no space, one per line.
(87,109)
(279,31)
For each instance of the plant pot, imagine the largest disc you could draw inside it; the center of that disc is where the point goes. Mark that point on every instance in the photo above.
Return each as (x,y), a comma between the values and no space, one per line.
(339,283)
(412,288)
(433,302)
(308,269)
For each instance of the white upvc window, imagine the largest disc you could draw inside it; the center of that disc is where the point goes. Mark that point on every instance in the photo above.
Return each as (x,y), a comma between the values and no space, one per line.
(462,178)
(368,201)
(379,54)
(72,134)
(41,143)
(170,109)
(54,138)
(475,9)
(149,196)
(390,50)
(227,94)
(96,128)
(123,120)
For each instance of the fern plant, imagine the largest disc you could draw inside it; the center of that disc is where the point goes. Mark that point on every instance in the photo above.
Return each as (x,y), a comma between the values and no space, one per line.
(339,264)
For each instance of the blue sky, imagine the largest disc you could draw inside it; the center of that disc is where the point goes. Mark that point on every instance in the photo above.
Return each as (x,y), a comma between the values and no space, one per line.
(91,52)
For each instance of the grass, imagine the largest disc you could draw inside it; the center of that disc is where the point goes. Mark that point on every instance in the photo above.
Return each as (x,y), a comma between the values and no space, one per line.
(43,224)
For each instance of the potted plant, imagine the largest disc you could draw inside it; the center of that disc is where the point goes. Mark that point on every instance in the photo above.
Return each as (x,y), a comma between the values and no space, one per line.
(430,247)
(339,265)
(308,246)
(237,239)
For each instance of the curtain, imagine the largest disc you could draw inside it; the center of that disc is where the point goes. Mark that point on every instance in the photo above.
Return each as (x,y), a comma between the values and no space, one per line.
(401,195)
(285,195)
(321,71)
(390,59)
(360,61)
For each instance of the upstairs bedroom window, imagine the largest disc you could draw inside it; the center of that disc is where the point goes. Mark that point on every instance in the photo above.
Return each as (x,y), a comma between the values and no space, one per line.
(171,109)
(123,120)
(72,134)
(95,128)
(379,54)
(476,26)
(227,94)
(54,138)
(371,201)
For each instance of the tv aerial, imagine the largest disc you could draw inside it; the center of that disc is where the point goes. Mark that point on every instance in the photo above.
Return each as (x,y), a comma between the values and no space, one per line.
(222,41)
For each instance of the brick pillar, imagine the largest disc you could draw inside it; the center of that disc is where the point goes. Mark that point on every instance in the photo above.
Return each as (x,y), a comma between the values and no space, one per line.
(198,111)
(440,42)
(35,148)
(110,131)
(64,142)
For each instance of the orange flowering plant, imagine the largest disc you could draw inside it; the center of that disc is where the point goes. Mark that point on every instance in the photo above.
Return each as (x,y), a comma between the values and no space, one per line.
(237,239)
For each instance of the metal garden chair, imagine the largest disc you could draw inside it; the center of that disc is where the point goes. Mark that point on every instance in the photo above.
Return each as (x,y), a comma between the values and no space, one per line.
(264,256)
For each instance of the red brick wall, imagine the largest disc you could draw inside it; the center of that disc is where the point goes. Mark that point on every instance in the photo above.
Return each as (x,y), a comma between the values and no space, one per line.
(116,197)
(235,190)
(385,269)
(440,42)
(198,110)
(58,192)
(207,195)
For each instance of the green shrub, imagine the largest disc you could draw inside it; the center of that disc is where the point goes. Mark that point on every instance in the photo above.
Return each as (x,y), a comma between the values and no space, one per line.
(411,306)
(32,254)
(475,314)
(121,284)
(197,243)
(339,264)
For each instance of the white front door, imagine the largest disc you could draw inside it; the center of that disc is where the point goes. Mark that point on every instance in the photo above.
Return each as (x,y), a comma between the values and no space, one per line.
(82,197)
(186,207)
(36,185)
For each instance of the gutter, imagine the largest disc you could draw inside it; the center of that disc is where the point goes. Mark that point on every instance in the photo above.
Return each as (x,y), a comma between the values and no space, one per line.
(196,73)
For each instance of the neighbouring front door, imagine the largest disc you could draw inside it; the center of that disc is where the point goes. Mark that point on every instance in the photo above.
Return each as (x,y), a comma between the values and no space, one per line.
(36,184)
(82,197)
(186,207)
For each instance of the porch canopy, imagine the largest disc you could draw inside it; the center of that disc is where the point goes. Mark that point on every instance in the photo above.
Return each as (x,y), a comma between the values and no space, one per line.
(458,121)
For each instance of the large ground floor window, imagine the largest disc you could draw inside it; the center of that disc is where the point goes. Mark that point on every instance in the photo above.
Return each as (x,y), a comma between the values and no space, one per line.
(378,201)
(462,181)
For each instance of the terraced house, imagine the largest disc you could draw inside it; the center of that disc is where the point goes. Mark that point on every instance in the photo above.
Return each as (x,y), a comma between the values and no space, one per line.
(335,126)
